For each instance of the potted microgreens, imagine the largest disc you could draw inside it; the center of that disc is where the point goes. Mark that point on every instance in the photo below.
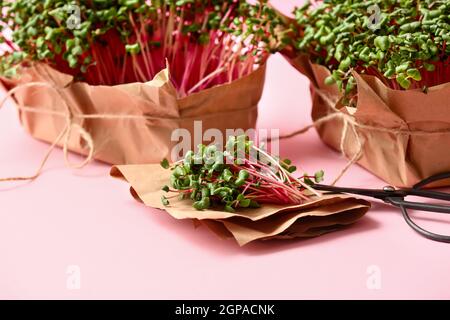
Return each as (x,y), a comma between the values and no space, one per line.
(204,43)
(380,75)
(402,43)
(98,58)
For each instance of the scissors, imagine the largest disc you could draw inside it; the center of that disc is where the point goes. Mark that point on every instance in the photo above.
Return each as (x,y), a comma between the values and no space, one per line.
(396,197)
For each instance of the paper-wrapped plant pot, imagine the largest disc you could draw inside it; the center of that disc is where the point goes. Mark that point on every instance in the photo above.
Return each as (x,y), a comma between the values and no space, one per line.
(314,218)
(129,123)
(405,135)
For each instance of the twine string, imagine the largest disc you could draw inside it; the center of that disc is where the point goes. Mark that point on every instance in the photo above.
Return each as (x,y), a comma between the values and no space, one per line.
(65,135)
(71,126)
(349,122)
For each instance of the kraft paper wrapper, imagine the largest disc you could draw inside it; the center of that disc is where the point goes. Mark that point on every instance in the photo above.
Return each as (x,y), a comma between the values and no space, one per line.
(399,159)
(319,216)
(127,141)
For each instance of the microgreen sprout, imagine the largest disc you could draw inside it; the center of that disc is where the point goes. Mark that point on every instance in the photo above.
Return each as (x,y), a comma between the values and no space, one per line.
(243,176)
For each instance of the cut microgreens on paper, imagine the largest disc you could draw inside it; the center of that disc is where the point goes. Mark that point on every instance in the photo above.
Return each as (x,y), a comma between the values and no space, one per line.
(244,176)
(408,48)
(204,42)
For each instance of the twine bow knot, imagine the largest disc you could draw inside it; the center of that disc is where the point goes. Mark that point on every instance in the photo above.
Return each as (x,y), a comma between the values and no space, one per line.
(71,125)
(65,134)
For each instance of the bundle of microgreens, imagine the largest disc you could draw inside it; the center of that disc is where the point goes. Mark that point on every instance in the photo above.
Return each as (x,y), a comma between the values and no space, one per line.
(204,42)
(405,43)
(243,176)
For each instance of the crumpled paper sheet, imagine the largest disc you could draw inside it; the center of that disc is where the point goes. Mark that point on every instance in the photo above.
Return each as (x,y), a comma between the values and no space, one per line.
(399,159)
(317,217)
(133,141)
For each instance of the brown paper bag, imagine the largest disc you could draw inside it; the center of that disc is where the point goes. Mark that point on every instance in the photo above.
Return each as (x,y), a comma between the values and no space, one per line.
(130,123)
(405,135)
(319,216)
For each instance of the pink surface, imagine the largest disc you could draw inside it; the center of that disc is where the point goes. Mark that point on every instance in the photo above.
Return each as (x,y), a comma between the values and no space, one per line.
(125,250)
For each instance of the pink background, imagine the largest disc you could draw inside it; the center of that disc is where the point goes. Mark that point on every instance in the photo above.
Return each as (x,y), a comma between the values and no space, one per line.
(125,250)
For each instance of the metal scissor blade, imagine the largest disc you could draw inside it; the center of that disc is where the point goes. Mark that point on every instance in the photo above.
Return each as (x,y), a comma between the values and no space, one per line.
(374,193)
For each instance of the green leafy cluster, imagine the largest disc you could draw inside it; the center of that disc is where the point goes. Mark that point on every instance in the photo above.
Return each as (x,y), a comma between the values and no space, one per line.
(405,41)
(40,26)
(207,179)
(211,177)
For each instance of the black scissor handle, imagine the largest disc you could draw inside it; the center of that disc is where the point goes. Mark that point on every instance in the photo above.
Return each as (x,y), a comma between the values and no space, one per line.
(425,233)
(405,205)
(427,181)
(417,190)
(397,197)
